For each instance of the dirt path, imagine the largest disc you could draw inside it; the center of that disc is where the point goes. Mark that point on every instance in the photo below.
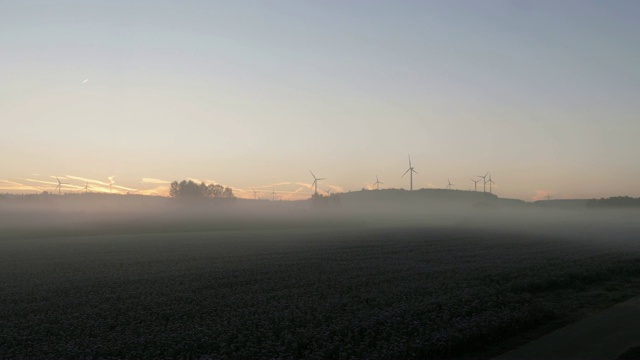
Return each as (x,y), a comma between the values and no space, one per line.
(604,335)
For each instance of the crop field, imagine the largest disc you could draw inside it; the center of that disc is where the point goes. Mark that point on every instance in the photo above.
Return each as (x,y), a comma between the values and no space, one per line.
(332,293)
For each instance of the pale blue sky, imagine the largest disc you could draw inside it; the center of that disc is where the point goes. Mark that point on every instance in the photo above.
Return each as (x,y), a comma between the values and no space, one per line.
(251,93)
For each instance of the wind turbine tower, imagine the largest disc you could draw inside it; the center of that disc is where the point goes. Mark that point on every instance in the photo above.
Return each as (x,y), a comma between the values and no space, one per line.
(377,183)
(315,182)
(59,187)
(484,183)
(475,184)
(410,170)
(490,182)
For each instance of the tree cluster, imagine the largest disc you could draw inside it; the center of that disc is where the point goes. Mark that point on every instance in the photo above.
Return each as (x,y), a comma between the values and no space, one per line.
(187,189)
(319,200)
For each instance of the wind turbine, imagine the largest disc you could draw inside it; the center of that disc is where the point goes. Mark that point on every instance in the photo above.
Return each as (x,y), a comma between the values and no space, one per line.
(315,181)
(475,184)
(484,184)
(273,194)
(490,182)
(86,187)
(410,170)
(377,183)
(449,185)
(255,196)
(59,187)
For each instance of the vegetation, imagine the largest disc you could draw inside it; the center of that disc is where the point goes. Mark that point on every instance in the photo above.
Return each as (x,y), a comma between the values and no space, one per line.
(290,294)
(323,201)
(187,189)
(615,202)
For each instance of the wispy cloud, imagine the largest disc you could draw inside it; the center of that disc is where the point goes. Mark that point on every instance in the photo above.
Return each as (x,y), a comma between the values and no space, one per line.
(297,194)
(42,182)
(236,190)
(155,181)
(65,186)
(273,185)
(95,185)
(288,190)
(124,188)
(100,186)
(7,185)
(90,181)
(161,190)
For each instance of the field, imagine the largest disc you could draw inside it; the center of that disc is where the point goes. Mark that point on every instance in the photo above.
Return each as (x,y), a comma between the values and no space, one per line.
(351,292)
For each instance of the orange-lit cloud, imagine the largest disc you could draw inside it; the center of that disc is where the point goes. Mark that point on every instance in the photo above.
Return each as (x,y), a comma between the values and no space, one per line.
(42,182)
(155,181)
(273,185)
(7,185)
(284,190)
(91,181)
(54,184)
(162,190)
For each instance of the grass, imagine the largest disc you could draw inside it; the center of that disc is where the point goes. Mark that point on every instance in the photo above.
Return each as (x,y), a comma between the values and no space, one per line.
(343,293)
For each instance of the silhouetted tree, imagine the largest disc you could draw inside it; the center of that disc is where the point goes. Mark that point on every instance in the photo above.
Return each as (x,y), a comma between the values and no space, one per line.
(188,189)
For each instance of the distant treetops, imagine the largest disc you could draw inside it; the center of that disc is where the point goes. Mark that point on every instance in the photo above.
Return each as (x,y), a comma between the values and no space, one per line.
(187,189)
(615,202)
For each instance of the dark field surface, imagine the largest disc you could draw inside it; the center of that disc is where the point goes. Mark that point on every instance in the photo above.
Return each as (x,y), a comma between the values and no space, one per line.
(341,293)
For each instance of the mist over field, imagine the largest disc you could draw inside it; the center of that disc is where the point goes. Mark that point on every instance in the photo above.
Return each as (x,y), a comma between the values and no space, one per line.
(96,213)
(370,274)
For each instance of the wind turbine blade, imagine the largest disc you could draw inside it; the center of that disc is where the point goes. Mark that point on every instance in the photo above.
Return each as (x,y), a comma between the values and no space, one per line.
(312,174)
(405,173)
(322,179)
(414,171)
(409,160)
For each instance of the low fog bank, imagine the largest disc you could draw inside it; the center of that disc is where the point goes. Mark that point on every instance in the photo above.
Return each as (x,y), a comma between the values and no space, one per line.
(99,214)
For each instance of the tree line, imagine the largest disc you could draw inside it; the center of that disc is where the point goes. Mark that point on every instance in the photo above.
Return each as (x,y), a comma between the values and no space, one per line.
(614,202)
(188,189)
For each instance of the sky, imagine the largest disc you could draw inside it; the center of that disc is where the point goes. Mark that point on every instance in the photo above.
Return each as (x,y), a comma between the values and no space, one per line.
(254,94)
